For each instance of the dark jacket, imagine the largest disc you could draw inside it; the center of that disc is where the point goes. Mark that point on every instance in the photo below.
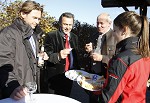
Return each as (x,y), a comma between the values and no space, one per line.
(128,75)
(55,67)
(18,64)
(108,45)
(54,43)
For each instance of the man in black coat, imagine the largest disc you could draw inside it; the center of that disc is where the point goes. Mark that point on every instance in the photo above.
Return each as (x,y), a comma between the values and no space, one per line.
(55,48)
(18,53)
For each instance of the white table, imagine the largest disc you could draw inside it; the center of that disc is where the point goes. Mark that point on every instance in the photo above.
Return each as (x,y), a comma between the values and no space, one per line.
(43,98)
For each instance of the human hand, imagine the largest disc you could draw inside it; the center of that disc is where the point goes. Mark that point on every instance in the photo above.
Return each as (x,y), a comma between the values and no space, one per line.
(19,93)
(96,56)
(46,57)
(41,57)
(88,47)
(64,53)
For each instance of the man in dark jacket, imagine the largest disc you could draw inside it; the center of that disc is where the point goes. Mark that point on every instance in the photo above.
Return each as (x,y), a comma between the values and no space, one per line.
(101,48)
(18,51)
(58,52)
(102,44)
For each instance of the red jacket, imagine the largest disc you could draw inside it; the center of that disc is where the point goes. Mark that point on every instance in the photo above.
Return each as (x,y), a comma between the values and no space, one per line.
(127,75)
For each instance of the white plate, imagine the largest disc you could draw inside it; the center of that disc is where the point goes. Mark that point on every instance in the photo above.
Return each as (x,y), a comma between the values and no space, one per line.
(73,74)
(92,83)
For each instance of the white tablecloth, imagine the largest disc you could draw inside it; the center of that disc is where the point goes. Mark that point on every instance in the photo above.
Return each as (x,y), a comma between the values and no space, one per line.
(43,98)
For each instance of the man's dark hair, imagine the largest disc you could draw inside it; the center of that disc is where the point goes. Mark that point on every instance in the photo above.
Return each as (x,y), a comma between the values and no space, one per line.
(66,14)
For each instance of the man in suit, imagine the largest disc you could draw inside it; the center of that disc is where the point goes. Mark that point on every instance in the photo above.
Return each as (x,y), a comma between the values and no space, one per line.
(58,53)
(102,47)
(19,49)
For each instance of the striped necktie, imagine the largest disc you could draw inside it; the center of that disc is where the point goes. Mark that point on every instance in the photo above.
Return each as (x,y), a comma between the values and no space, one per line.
(32,42)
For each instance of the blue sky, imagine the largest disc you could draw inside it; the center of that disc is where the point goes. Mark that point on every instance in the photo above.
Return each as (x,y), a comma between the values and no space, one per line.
(84,10)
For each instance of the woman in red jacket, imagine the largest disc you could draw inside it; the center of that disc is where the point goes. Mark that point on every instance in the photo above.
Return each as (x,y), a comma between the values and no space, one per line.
(129,68)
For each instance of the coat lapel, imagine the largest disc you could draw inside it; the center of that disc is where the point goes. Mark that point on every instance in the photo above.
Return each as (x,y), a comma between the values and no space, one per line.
(31,56)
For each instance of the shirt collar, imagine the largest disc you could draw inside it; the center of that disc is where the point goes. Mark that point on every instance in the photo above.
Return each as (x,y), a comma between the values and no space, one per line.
(63,34)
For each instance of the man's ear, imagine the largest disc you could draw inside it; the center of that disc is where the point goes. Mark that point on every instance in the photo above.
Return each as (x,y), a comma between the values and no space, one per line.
(125,30)
(22,14)
(110,22)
